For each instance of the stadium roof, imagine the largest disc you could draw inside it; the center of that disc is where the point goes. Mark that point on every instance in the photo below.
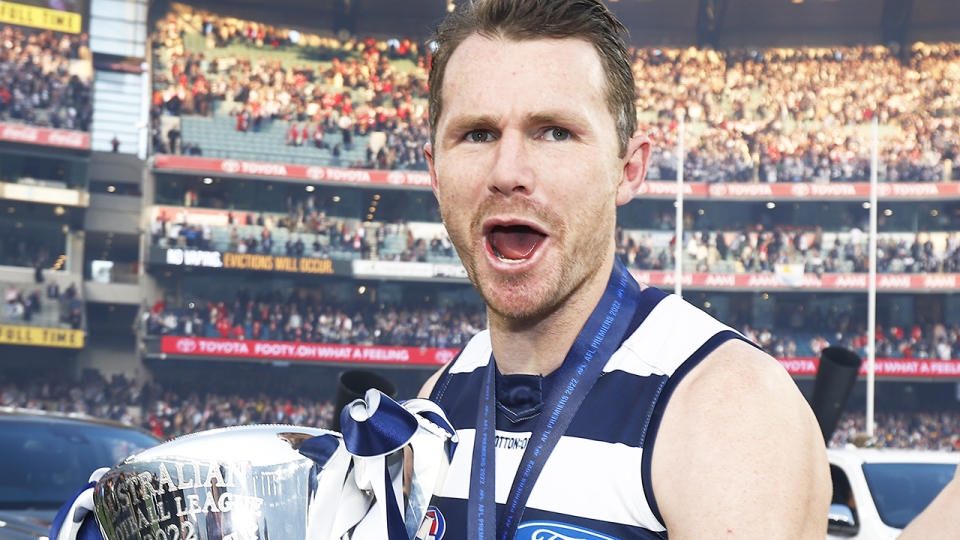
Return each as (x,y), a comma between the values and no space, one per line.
(723,23)
(733,23)
(380,18)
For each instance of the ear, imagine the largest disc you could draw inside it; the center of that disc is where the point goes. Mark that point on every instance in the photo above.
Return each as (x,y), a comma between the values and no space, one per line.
(428,152)
(634,169)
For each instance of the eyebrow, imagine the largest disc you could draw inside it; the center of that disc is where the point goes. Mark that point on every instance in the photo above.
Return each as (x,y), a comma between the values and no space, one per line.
(471,121)
(563,118)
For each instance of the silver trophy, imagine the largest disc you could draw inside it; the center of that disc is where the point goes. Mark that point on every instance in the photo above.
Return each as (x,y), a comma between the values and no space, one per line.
(281,482)
(246,482)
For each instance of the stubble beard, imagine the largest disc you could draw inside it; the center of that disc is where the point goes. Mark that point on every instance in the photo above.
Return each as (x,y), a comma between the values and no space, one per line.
(519,299)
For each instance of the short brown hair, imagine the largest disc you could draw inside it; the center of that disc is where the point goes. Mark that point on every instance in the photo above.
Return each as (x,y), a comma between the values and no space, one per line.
(519,20)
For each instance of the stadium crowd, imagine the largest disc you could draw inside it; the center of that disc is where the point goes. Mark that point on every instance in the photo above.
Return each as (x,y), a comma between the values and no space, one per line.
(171,412)
(769,115)
(807,327)
(759,249)
(918,431)
(778,115)
(318,236)
(925,342)
(301,318)
(45,78)
(166,412)
(36,307)
(358,92)
(755,249)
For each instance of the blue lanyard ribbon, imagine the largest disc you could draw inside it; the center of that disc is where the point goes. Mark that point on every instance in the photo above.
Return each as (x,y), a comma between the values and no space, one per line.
(601,336)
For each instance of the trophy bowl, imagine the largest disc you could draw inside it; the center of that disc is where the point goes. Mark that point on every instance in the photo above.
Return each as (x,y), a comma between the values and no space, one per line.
(236,483)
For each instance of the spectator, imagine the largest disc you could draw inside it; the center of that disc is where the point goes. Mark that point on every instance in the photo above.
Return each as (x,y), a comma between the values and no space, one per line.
(53,290)
(293,135)
(318,137)
(76,318)
(173,136)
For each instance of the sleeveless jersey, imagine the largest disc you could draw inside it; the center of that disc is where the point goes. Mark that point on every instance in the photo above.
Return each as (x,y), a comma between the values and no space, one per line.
(596,483)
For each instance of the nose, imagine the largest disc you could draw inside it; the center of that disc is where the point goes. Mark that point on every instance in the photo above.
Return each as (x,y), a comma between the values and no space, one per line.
(512,172)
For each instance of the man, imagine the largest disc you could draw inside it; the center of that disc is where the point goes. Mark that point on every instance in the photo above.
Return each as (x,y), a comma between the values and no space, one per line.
(533,145)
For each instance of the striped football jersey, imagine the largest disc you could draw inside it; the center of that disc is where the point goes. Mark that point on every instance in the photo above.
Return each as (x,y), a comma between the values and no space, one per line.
(596,483)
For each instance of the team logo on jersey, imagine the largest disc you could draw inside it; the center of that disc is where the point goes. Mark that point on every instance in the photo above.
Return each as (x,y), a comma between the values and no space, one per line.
(551,530)
(433,526)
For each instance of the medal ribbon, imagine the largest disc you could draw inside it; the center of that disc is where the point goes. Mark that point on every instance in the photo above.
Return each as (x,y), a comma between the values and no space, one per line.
(600,337)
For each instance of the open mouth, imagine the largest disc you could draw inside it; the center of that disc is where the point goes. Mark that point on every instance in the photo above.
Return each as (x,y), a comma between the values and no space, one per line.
(514,243)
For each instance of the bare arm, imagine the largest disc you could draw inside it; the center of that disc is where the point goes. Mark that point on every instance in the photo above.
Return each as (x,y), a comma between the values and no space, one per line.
(407,452)
(941,519)
(739,454)
(430,383)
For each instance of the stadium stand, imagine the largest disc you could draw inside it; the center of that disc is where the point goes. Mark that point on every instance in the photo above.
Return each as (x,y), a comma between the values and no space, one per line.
(271,315)
(748,251)
(817,252)
(45,78)
(923,430)
(764,111)
(279,317)
(234,86)
(752,115)
(313,100)
(169,412)
(318,236)
(34,306)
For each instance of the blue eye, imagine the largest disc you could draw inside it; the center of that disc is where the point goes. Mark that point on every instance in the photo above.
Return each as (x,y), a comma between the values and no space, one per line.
(479,136)
(556,134)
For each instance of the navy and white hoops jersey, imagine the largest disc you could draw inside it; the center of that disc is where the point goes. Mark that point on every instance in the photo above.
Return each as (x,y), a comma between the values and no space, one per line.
(596,483)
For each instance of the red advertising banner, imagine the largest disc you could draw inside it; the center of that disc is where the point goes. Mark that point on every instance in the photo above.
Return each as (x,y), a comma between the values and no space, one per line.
(854,282)
(316,352)
(428,357)
(302,172)
(884,367)
(787,190)
(859,191)
(61,138)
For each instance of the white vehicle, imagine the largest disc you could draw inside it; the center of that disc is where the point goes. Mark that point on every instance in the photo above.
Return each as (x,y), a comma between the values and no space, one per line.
(877,492)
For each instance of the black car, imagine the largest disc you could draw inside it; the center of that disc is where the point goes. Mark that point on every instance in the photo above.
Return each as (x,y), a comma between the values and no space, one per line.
(46,457)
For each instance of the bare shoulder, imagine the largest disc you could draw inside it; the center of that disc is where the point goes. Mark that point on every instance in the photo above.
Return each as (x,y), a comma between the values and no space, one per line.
(427,387)
(738,452)
(736,370)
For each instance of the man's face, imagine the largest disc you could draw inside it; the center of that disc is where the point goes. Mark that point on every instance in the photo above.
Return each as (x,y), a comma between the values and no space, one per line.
(526,169)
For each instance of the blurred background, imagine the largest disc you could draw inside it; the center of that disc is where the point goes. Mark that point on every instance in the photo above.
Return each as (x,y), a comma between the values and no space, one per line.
(210,209)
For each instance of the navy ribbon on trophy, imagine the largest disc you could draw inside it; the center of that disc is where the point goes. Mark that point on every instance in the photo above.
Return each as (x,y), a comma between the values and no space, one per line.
(375,429)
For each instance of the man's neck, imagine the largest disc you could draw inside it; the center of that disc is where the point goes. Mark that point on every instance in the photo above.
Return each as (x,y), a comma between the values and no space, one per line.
(538,347)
